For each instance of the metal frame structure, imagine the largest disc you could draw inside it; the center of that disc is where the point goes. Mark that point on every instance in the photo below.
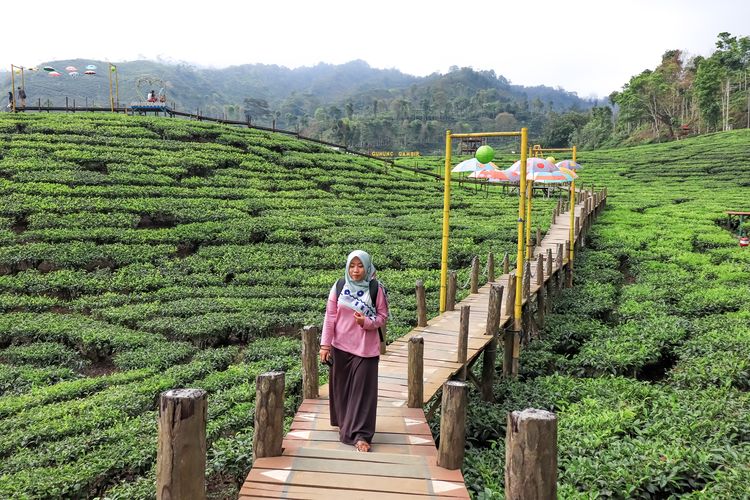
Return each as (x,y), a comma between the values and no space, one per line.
(533,151)
(114,100)
(523,134)
(14,67)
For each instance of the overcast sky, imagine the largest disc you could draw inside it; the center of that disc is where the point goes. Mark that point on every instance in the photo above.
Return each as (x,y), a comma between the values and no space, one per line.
(586,46)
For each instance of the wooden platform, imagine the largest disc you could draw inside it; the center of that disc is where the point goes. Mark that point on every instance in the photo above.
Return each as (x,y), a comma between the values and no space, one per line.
(402,464)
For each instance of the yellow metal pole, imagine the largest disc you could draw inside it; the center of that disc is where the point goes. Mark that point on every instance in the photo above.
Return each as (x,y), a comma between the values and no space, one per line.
(117,87)
(13,88)
(521,213)
(572,218)
(446,226)
(572,223)
(530,194)
(111,101)
(23,80)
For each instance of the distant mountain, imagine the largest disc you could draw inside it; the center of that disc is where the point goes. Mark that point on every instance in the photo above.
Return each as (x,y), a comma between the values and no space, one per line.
(191,87)
(350,103)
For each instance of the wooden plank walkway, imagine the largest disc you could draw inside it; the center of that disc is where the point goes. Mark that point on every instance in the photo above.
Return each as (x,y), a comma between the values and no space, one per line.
(402,463)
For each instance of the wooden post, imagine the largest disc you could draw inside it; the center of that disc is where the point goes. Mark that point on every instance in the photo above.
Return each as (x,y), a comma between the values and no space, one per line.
(494,309)
(577,228)
(540,269)
(450,301)
(463,338)
(475,274)
(310,356)
(510,301)
(538,237)
(421,304)
(490,267)
(384,329)
(269,415)
(554,218)
(531,455)
(181,449)
(415,375)
(489,357)
(540,293)
(452,425)
(548,263)
(526,280)
(512,339)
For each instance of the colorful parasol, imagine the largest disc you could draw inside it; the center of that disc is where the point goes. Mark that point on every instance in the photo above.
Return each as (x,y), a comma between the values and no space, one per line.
(48,68)
(74,74)
(569,164)
(534,167)
(70,68)
(89,72)
(91,66)
(473,165)
(55,73)
(491,175)
(569,172)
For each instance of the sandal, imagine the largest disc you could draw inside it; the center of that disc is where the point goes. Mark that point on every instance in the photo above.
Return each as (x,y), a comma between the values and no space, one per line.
(362,446)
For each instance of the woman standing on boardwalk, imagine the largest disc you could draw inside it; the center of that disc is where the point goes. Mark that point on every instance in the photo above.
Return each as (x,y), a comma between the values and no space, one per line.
(350,341)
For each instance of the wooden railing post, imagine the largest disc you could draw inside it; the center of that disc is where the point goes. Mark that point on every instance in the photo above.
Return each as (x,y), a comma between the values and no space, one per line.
(463,339)
(383,329)
(489,355)
(421,304)
(452,425)
(510,301)
(512,341)
(181,449)
(506,263)
(540,299)
(559,275)
(526,280)
(450,301)
(494,309)
(540,269)
(269,415)
(415,374)
(531,455)
(475,274)
(548,263)
(490,267)
(310,356)
(538,237)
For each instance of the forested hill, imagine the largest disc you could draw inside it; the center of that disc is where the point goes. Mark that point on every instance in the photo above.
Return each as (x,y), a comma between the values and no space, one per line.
(352,102)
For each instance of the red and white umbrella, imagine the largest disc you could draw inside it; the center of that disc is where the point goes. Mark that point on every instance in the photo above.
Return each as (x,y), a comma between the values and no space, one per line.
(70,68)
(473,165)
(535,167)
(491,175)
(55,73)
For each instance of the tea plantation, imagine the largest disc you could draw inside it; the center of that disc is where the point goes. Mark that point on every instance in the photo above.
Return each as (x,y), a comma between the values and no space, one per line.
(143,254)
(647,359)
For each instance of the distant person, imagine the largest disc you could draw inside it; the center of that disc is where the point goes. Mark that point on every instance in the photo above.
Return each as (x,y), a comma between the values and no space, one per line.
(10,101)
(151,97)
(22,97)
(351,344)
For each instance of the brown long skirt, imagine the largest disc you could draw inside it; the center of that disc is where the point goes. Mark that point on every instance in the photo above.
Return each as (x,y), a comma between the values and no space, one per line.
(353,395)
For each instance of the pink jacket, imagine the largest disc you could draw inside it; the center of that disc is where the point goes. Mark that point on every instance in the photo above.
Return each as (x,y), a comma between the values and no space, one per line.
(342,332)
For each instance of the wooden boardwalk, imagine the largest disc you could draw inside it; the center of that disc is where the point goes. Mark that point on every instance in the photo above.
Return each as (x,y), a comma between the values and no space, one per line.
(402,464)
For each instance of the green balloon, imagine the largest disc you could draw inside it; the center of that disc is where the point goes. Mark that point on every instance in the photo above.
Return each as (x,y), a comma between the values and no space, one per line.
(484,154)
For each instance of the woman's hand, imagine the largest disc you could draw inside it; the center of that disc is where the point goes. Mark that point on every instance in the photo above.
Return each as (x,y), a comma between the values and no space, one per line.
(325,353)
(359,318)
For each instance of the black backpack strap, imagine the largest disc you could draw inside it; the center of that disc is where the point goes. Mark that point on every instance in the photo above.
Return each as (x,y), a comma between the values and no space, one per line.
(340,286)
